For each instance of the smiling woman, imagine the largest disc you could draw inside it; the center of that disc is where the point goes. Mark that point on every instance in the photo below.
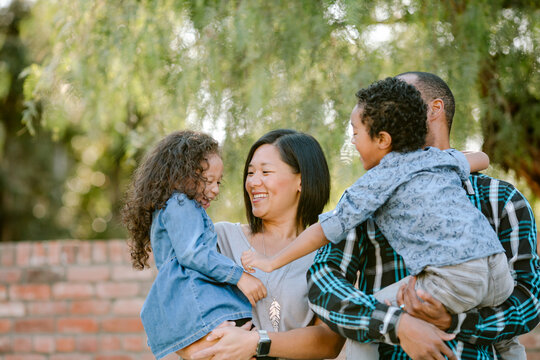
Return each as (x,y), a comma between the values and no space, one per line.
(286,185)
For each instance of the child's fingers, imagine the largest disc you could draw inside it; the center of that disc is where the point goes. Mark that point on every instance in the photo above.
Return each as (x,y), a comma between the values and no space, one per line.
(247,326)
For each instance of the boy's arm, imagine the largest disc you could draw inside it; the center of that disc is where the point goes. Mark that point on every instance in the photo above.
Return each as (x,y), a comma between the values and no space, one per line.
(308,241)
(478,160)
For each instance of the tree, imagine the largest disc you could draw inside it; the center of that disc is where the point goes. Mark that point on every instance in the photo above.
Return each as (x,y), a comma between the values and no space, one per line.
(119,75)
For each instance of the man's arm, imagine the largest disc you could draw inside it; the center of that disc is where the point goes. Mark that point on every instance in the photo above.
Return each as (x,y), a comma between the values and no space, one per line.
(513,220)
(359,316)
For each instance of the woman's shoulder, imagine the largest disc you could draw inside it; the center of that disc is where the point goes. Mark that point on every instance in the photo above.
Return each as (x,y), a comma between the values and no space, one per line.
(231,237)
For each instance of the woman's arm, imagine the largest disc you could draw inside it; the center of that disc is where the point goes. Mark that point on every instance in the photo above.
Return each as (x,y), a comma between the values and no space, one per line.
(478,160)
(316,341)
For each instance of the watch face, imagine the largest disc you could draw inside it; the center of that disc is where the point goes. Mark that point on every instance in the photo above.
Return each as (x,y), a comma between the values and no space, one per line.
(263,347)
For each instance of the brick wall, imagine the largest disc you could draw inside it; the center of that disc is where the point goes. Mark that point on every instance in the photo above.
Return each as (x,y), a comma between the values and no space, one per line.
(64,300)
(81,300)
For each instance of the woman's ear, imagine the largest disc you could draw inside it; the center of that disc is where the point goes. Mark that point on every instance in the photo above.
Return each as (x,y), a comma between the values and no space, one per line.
(384,140)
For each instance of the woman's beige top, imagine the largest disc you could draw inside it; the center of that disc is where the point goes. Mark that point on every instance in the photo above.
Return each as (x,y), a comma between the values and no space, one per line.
(287,285)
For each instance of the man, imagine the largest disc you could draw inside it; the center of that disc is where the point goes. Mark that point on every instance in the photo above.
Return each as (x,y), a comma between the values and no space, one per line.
(366,258)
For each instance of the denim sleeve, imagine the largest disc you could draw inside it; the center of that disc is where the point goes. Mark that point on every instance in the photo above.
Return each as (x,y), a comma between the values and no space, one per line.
(463,166)
(361,200)
(185,226)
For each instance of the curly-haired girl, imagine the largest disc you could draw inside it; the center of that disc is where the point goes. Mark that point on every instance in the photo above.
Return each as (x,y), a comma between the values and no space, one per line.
(197,288)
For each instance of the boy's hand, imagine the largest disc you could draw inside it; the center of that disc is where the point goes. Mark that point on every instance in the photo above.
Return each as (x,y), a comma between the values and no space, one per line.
(252,259)
(252,288)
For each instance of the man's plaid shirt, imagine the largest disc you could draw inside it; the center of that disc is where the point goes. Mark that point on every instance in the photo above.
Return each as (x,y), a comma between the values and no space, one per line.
(367,259)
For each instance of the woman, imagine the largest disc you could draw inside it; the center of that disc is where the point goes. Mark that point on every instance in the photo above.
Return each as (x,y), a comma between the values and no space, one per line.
(286,185)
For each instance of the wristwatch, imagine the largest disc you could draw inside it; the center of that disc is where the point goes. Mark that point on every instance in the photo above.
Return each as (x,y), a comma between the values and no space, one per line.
(263,346)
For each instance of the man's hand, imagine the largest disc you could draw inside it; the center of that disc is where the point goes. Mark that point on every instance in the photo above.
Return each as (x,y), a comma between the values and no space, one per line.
(252,287)
(423,341)
(422,305)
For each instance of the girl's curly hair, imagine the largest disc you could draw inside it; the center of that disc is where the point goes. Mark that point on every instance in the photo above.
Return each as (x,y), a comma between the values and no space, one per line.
(176,163)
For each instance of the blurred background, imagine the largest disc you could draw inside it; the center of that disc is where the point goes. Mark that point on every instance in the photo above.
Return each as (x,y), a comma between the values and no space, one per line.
(86,87)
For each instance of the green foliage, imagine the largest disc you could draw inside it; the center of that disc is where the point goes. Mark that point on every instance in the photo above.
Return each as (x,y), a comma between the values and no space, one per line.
(110,78)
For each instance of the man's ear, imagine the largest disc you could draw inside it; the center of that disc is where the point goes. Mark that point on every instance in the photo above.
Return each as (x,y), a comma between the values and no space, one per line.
(435,109)
(384,140)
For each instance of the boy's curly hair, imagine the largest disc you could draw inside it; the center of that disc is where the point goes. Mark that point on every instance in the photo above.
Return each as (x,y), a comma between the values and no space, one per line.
(396,107)
(176,163)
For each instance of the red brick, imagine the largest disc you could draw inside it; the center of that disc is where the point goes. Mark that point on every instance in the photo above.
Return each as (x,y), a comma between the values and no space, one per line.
(99,252)
(65,344)
(22,344)
(47,308)
(149,357)
(25,357)
(109,343)
(113,357)
(39,255)
(134,343)
(117,251)
(12,309)
(3,293)
(7,255)
(88,273)
(6,345)
(34,326)
(87,344)
(122,325)
(76,356)
(72,291)
(29,292)
(5,326)
(127,272)
(90,307)
(24,251)
(44,344)
(84,255)
(54,249)
(533,355)
(77,325)
(68,252)
(10,276)
(128,306)
(44,275)
(117,290)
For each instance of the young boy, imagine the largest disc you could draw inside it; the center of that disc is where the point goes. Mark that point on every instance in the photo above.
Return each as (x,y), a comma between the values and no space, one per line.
(416,197)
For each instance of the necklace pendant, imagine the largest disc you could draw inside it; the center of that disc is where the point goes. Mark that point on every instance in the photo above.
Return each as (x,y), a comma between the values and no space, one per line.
(274,312)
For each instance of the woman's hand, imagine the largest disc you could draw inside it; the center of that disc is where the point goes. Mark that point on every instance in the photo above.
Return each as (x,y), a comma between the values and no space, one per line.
(252,259)
(234,343)
(422,305)
(252,287)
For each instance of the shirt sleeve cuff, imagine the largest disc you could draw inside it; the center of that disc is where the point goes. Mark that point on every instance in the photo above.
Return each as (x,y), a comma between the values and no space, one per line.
(384,323)
(331,227)
(235,275)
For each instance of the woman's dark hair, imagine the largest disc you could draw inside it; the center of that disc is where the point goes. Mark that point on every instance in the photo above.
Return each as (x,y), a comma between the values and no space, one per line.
(176,163)
(396,107)
(306,157)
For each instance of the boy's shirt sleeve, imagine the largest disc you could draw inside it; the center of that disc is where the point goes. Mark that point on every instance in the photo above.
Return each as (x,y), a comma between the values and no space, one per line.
(361,200)
(520,313)
(186,229)
(463,166)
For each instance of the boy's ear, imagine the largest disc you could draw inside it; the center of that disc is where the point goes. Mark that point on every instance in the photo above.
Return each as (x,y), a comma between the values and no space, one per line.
(384,140)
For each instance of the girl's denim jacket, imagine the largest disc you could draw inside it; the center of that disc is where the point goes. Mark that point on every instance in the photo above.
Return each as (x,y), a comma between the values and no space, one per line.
(195,289)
